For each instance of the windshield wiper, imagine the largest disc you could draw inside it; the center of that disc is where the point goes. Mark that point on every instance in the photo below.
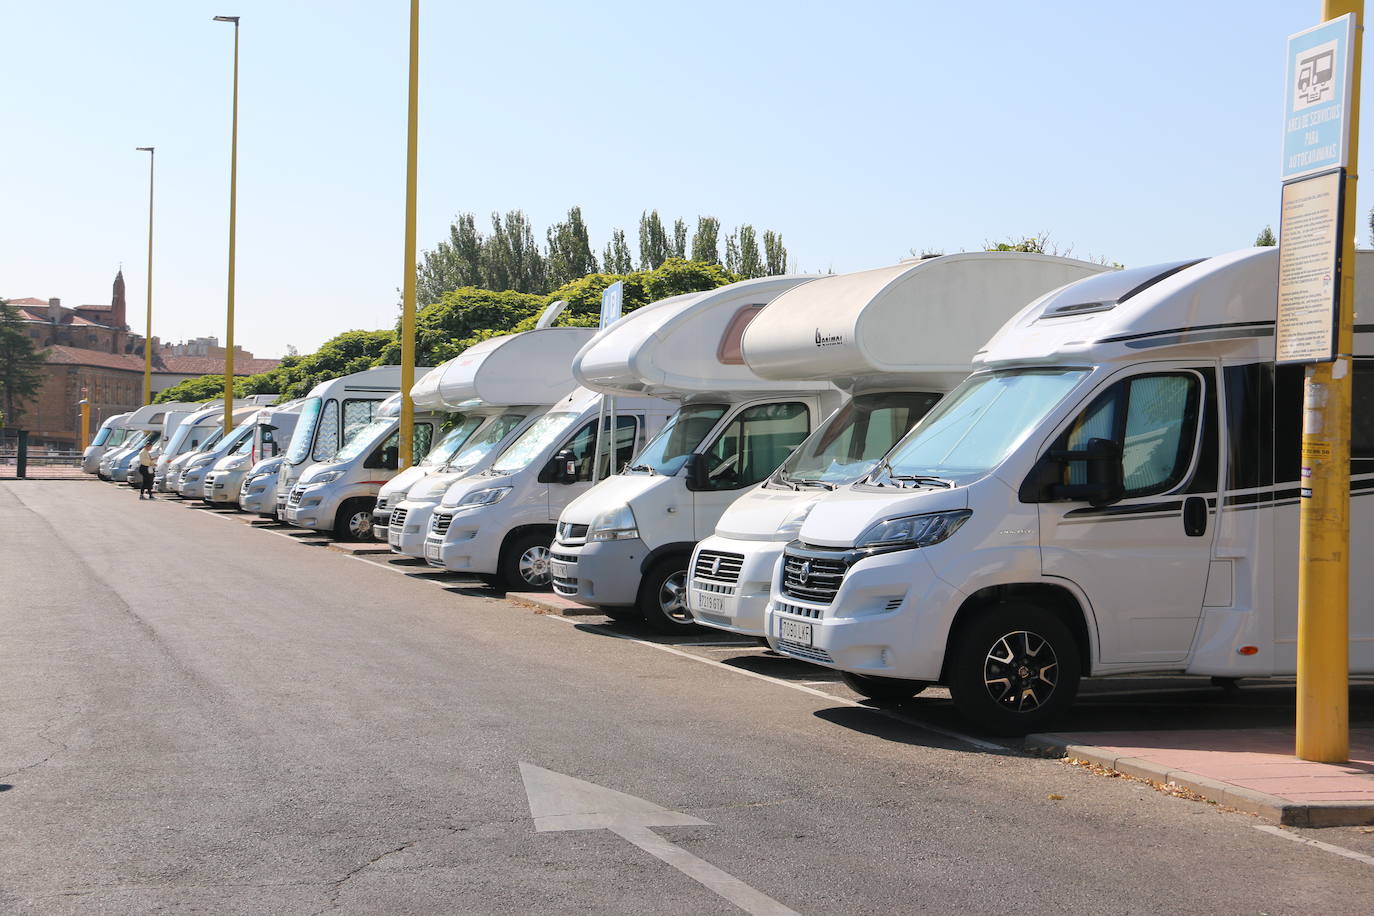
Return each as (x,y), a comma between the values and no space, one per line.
(641,467)
(923,478)
(823,484)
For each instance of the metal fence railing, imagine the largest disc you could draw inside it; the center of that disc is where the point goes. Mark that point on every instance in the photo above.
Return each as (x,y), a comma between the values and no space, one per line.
(19,460)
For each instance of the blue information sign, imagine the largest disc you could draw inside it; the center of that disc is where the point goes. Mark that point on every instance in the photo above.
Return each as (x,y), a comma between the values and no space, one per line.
(1315,125)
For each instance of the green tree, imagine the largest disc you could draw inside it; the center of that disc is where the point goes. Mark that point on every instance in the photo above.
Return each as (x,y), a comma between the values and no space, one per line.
(653,241)
(1266,238)
(570,250)
(774,254)
(459,319)
(732,258)
(750,261)
(21,365)
(678,247)
(511,258)
(454,262)
(616,259)
(706,240)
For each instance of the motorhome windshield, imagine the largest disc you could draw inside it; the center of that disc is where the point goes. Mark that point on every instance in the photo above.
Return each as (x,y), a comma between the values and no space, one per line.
(364,438)
(452,441)
(667,452)
(534,441)
(211,440)
(305,431)
(118,437)
(975,427)
(102,437)
(486,439)
(845,446)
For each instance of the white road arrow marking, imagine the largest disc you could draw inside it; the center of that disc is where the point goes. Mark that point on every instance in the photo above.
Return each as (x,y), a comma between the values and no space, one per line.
(559,802)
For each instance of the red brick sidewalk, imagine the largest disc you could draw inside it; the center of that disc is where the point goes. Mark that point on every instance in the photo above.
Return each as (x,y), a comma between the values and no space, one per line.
(46,472)
(1251,769)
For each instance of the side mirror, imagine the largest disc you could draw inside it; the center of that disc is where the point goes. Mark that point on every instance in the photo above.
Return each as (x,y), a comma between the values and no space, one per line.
(561,468)
(1106,478)
(697,476)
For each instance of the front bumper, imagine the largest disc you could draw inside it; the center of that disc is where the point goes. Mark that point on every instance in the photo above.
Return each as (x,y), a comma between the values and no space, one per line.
(408,527)
(729,583)
(463,547)
(259,496)
(890,618)
(601,573)
(192,483)
(223,486)
(312,506)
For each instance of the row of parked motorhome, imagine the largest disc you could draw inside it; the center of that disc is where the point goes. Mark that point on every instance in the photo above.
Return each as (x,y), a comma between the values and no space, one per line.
(995,471)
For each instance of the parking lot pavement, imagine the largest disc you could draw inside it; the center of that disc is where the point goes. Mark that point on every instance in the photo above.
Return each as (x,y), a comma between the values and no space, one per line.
(212,716)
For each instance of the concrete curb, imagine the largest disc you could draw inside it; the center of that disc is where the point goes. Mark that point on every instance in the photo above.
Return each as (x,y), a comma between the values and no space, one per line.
(1270,807)
(548,603)
(359,548)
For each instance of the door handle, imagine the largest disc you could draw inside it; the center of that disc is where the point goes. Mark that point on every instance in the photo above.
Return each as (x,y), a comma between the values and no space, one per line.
(1195,516)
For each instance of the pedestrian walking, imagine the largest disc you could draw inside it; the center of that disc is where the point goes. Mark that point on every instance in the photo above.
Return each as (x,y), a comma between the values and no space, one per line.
(145,471)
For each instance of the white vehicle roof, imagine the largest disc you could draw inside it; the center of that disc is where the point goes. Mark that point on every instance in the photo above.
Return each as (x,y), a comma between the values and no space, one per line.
(1222,306)
(532,367)
(381,380)
(151,416)
(116,421)
(685,345)
(918,322)
(267,414)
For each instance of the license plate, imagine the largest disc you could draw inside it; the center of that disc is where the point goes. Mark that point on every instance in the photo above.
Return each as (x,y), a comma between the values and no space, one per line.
(432,552)
(797,631)
(394,536)
(291,515)
(705,601)
(562,570)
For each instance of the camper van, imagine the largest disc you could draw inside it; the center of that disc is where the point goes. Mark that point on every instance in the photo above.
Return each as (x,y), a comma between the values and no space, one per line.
(337,494)
(624,545)
(898,352)
(329,415)
(144,423)
(498,523)
(238,441)
(258,492)
(500,386)
(194,430)
(1114,489)
(272,426)
(110,436)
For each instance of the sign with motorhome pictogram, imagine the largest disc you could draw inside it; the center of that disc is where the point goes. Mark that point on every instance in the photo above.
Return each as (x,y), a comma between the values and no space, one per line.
(1316,97)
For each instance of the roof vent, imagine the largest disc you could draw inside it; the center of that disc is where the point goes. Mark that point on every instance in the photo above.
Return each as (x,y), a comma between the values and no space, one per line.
(1081,308)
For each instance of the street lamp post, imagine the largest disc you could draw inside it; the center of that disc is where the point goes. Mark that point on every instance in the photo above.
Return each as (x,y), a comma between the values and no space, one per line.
(404,441)
(233,197)
(148,328)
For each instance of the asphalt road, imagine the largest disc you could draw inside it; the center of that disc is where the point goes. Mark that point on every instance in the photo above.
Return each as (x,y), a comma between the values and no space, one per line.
(199,716)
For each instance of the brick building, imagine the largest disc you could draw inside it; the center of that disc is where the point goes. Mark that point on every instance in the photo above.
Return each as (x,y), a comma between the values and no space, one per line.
(91,347)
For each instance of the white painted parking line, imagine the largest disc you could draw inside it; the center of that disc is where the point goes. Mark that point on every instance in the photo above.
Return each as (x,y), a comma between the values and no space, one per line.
(791,685)
(1325,847)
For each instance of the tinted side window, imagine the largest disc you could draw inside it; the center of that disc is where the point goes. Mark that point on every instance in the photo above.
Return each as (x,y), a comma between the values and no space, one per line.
(754,443)
(1362,417)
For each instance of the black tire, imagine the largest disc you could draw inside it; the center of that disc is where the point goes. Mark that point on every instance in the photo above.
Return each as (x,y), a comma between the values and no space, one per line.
(1014,668)
(354,521)
(882,689)
(525,563)
(662,598)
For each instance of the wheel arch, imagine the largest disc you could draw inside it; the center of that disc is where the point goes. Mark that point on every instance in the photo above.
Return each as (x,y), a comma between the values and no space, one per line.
(1056,598)
(520,531)
(665,551)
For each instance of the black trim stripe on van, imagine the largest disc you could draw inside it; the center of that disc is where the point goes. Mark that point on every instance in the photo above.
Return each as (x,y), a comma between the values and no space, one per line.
(1260,329)
(1236,501)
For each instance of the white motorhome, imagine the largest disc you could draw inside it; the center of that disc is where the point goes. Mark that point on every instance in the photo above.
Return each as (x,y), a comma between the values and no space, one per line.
(500,386)
(258,492)
(337,495)
(110,436)
(904,335)
(190,483)
(498,523)
(145,423)
(625,544)
(330,414)
(1114,489)
(194,430)
(272,426)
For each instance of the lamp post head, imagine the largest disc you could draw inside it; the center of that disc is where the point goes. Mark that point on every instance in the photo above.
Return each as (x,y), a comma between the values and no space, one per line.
(144,149)
(233,19)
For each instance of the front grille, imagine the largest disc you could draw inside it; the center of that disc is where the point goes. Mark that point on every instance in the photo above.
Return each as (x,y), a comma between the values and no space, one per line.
(296,496)
(563,557)
(567,531)
(718,566)
(381,503)
(812,613)
(398,519)
(810,653)
(439,524)
(566,587)
(822,578)
(717,587)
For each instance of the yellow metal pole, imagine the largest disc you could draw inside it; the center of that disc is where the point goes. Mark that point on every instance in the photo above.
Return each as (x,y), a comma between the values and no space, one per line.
(148,327)
(85,421)
(1323,722)
(408,281)
(233,199)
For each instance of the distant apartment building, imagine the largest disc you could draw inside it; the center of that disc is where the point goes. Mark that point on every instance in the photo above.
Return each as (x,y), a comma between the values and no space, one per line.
(90,347)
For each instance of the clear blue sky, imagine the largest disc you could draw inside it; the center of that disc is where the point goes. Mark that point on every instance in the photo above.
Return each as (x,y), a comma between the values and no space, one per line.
(1139,132)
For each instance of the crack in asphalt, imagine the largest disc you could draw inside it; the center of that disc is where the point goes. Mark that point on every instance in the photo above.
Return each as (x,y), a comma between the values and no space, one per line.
(41,734)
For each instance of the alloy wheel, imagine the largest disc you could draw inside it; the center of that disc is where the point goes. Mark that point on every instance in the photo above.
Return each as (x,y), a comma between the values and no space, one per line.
(534,566)
(1021,671)
(672,598)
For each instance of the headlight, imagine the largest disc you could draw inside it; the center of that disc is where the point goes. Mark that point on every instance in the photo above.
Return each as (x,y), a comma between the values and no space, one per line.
(912,531)
(326,477)
(483,497)
(616,524)
(235,464)
(792,524)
